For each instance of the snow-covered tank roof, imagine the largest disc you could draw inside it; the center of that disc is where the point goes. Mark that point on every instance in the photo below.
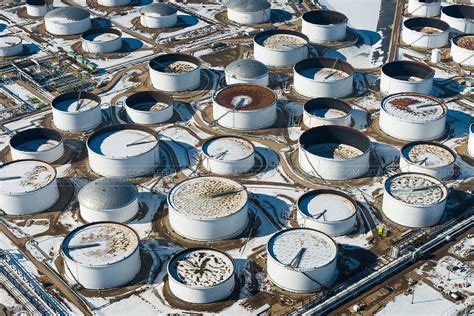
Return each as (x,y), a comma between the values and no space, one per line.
(246,69)
(327,205)
(9,41)
(414,107)
(228,148)
(67,13)
(107,194)
(159,9)
(248,5)
(23,176)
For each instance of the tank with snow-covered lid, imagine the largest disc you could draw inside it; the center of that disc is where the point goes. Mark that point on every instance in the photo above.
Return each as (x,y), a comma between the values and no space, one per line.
(108,199)
(158,15)
(462,49)
(426,33)
(413,116)
(324,26)
(208,208)
(27,187)
(37,143)
(406,76)
(201,275)
(414,199)
(301,260)
(102,40)
(114,3)
(149,107)
(460,17)
(67,21)
(424,8)
(280,48)
(175,72)
(247,71)
(249,11)
(326,111)
(101,255)
(10,46)
(76,111)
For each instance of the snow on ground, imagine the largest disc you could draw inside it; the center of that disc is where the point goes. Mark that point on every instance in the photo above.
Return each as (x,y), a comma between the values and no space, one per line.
(464,248)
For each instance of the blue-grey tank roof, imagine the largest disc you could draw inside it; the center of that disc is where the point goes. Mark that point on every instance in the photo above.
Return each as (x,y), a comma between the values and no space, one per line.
(107,194)
(246,69)
(71,13)
(248,5)
(163,9)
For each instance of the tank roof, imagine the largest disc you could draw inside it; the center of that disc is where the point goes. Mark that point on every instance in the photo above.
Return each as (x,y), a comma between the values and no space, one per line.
(459,11)
(248,5)
(36,139)
(75,102)
(228,148)
(246,69)
(100,244)
(414,107)
(465,41)
(67,14)
(107,194)
(24,176)
(281,39)
(147,101)
(159,9)
(407,70)
(426,25)
(428,154)
(324,17)
(208,198)
(9,41)
(325,205)
(324,69)
(245,97)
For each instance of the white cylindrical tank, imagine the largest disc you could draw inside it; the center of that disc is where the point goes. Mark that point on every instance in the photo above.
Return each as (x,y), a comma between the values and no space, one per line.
(114,3)
(460,17)
(280,48)
(208,208)
(27,187)
(125,150)
(323,77)
(433,159)
(324,26)
(108,199)
(102,40)
(76,111)
(10,46)
(414,199)
(470,141)
(436,56)
(101,255)
(424,8)
(426,33)
(201,275)
(38,8)
(67,21)
(244,107)
(329,211)
(406,76)
(228,155)
(37,143)
(249,11)
(413,116)
(326,111)
(334,152)
(247,71)
(175,72)
(301,260)
(462,50)
(149,107)
(158,15)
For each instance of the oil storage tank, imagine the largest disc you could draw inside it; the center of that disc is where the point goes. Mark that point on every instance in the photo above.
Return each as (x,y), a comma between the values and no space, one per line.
(460,17)
(247,71)
(38,8)
(114,3)
(101,255)
(324,26)
(158,15)
(406,76)
(37,143)
(228,155)
(125,150)
(326,111)
(426,33)
(280,48)
(149,107)
(462,49)
(436,160)
(301,260)
(27,187)
(330,211)
(334,152)
(108,199)
(424,8)
(102,40)
(76,111)
(244,107)
(414,199)
(413,116)
(201,275)
(208,208)
(323,77)
(67,21)
(175,72)
(249,11)
(10,46)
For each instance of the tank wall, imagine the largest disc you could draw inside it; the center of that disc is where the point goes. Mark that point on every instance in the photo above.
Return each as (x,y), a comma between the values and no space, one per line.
(114,3)
(422,9)
(37,10)
(314,89)
(470,141)
(49,156)
(31,202)
(390,85)
(263,81)
(245,120)
(425,40)
(150,117)
(120,215)
(411,131)
(249,17)
(441,173)
(77,121)
(229,167)
(331,169)
(462,56)
(11,50)
(102,47)
(69,28)
(196,229)
(104,277)
(277,58)
(175,82)
(324,33)
(330,228)
(158,22)
(458,25)
(411,216)
(202,295)
(314,121)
